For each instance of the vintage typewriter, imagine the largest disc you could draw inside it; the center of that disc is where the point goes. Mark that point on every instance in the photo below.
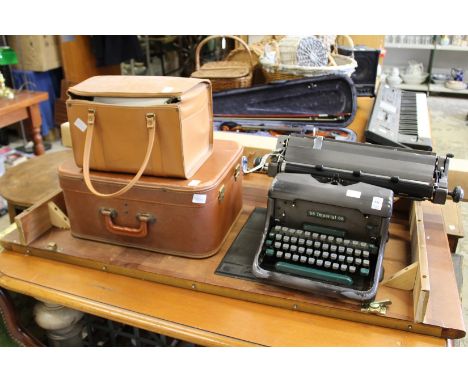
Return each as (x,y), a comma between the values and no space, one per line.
(329,209)
(325,237)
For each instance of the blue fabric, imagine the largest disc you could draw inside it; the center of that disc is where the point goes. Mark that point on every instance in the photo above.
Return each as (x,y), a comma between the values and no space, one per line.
(41,81)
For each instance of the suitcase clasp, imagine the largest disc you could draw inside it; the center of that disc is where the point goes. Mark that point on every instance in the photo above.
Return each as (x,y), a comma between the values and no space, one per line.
(221,193)
(236,172)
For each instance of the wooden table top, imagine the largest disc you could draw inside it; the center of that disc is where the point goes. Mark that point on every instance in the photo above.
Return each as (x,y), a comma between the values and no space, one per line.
(31,181)
(193,316)
(22,99)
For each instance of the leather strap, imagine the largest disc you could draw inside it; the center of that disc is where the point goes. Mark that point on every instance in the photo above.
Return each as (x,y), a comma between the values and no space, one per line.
(151,126)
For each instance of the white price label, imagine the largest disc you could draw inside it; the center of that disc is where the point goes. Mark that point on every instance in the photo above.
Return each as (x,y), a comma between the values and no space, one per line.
(377,203)
(199,198)
(353,194)
(80,124)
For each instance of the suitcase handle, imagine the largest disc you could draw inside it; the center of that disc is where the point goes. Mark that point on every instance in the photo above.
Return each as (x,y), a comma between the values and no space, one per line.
(150,125)
(141,231)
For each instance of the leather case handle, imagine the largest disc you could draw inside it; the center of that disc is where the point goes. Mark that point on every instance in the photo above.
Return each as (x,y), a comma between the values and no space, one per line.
(150,125)
(141,231)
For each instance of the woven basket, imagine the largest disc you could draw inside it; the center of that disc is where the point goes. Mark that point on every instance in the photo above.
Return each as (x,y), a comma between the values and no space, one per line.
(225,74)
(280,71)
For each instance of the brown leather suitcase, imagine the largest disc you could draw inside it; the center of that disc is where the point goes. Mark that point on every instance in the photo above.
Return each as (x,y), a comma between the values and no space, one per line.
(185,217)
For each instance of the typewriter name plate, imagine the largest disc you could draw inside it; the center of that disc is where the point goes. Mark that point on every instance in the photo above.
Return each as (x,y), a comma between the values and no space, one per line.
(325,216)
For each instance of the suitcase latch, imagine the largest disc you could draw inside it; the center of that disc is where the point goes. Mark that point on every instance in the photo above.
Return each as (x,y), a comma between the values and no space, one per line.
(221,193)
(236,172)
(376,307)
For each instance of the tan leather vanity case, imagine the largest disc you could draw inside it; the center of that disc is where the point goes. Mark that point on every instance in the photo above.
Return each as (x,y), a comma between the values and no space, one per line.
(161,126)
(186,217)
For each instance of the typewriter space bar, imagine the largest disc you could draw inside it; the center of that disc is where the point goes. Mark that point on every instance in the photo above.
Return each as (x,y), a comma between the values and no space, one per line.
(313,273)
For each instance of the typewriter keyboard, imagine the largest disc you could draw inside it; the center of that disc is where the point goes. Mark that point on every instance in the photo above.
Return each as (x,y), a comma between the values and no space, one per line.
(320,253)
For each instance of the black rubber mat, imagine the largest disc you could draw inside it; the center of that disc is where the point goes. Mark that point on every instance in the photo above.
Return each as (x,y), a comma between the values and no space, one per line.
(239,258)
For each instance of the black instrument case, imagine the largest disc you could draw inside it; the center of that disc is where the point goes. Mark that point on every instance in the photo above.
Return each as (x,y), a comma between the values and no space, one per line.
(327,100)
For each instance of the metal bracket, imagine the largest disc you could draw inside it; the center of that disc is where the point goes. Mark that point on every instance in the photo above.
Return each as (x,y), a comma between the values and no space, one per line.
(91,116)
(150,120)
(221,193)
(376,307)
(236,172)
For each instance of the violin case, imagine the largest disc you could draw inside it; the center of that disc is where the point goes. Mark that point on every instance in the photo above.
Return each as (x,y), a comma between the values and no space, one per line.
(320,101)
(184,217)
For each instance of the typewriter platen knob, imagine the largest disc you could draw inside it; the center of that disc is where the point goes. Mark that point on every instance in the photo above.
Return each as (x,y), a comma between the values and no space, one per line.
(457,194)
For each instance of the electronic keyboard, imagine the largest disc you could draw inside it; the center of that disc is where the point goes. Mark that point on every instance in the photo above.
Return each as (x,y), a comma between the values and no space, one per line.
(400,118)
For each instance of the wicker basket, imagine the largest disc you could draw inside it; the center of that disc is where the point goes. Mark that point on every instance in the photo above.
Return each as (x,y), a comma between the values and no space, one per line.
(225,74)
(280,71)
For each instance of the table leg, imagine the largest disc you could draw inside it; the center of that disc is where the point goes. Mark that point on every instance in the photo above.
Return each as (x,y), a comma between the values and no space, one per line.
(63,325)
(35,123)
(11,212)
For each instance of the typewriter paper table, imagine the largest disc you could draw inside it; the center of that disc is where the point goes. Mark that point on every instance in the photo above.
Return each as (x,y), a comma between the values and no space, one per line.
(209,319)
